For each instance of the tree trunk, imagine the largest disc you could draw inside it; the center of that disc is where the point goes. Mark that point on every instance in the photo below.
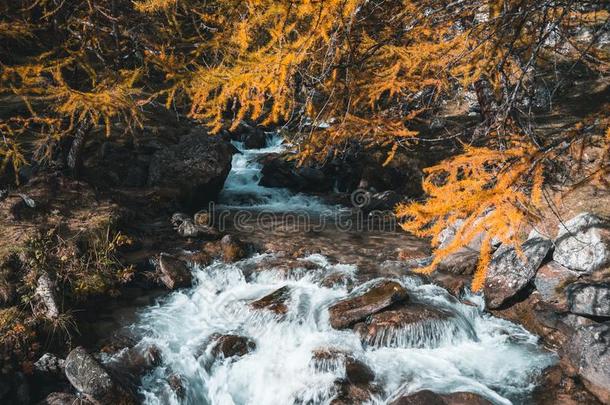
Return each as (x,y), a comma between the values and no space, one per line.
(74,159)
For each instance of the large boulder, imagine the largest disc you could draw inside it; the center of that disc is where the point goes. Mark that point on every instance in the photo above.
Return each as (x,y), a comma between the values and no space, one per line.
(426,397)
(589,299)
(550,279)
(90,378)
(173,272)
(583,243)
(508,274)
(350,310)
(197,166)
(588,352)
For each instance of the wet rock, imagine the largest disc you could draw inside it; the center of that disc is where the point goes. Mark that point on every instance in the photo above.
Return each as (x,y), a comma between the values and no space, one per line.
(275,302)
(353,309)
(507,274)
(557,386)
(174,273)
(583,243)
(46,301)
(232,249)
(201,259)
(348,394)
(63,398)
(255,139)
(588,352)
(356,372)
(197,167)
(132,363)
(277,172)
(377,330)
(232,345)
(426,397)
(463,261)
(589,299)
(176,384)
(550,279)
(202,218)
(90,378)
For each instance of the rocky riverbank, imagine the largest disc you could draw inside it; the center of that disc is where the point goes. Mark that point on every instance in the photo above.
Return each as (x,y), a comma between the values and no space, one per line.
(72,246)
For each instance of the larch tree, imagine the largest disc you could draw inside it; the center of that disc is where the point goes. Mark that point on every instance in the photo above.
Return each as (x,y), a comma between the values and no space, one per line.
(336,70)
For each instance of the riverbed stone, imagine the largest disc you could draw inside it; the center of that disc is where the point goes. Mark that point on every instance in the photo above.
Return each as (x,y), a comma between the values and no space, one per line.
(233,345)
(174,273)
(88,376)
(232,249)
(350,310)
(508,274)
(464,261)
(427,397)
(551,279)
(377,329)
(583,243)
(588,352)
(589,299)
(275,302)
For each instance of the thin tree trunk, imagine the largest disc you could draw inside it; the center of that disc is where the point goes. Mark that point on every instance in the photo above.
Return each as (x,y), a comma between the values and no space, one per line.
(74,159)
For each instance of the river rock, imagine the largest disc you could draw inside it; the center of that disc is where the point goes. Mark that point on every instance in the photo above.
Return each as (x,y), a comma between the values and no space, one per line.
(426,397)
(583,243)
(197,167)
(378,328)
(232,249)
(350,310)
(507,274)
(275,302)
(49,363)
(588,352)
(463,261)
(357,372)
(550,279)
(46,301)
(63,398)
(174,273)
(589,299)
(232,345)
(176,384)
(90,378)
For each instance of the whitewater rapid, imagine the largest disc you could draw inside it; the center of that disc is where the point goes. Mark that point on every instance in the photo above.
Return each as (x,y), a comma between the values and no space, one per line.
(470,351)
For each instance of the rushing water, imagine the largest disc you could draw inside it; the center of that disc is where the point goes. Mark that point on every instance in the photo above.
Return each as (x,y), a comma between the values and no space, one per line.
(468,350)
(241,189)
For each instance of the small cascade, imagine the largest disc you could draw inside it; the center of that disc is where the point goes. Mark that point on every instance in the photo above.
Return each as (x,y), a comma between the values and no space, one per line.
(242,191)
